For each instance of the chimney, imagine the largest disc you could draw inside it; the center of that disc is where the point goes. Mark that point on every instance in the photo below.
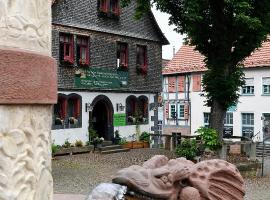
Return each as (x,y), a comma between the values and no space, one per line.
(173,50)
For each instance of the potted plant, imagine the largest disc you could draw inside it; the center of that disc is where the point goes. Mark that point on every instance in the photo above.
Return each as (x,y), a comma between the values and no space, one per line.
(58,121)
(125,144)
(117,137)
(73,120)
(145,138)
(188,149)
(97,142)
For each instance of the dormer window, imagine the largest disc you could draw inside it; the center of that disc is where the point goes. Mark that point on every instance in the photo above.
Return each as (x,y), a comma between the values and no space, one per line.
(66,48)
(82,50)
(122,55)
(109,7)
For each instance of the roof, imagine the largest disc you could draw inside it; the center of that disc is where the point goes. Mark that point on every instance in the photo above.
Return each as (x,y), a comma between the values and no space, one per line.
(189,60)
(164,40)
(165,62)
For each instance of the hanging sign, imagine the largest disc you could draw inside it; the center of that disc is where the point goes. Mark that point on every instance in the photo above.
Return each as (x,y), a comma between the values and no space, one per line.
(119,120)
(105,78)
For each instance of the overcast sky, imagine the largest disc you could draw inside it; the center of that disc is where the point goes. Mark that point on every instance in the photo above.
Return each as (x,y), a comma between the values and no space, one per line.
(174,38)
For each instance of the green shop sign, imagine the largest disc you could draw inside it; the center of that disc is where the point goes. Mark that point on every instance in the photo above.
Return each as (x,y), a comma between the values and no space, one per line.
(119,120)
(106,78)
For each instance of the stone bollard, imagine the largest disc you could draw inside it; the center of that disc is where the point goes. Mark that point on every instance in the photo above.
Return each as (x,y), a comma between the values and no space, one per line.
(28,90)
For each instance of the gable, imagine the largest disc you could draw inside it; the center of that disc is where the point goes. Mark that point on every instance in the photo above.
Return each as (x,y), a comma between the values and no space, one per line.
(84,14)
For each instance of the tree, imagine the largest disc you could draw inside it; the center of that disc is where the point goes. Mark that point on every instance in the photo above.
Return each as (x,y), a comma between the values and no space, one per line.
(225,32)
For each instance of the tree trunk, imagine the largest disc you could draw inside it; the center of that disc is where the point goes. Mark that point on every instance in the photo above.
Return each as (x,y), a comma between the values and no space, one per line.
(217,116)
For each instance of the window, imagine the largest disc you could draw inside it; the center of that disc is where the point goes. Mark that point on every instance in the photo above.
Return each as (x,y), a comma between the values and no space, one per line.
(173,113)
(266,85)
(67,111)
(110,7)
(247,124)
(66,48)
(143,109)
(181,111)
(228,121)
(60,110)
(74,108)
(141,63)
(206,117)
(82,50)
(248,89)
(122,55)
(131,106)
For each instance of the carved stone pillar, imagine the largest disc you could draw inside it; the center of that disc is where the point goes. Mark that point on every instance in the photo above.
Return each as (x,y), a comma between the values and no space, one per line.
(27,92)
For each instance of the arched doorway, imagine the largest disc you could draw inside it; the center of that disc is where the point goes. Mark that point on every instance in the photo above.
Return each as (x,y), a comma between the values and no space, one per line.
(102,117)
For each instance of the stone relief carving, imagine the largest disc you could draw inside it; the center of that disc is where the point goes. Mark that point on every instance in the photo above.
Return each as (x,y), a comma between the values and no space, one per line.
(180,179)
(25,24)
(25,172)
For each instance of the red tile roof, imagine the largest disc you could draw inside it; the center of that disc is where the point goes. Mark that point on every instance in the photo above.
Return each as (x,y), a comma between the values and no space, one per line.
(189,60)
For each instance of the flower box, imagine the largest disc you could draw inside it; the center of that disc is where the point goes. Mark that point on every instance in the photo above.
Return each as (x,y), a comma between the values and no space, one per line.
(137,145)
(146,144)
(128,145)
(73,150)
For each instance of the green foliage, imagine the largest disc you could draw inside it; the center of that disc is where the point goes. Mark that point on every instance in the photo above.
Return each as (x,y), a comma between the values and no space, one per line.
(123,141)
(187,148)
(116,134)
(78,143)
(145,137)
(67,144)
(55,148)
(209,138)
(92,133)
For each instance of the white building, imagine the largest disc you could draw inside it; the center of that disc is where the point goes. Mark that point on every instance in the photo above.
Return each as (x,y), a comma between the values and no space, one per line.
(182,95)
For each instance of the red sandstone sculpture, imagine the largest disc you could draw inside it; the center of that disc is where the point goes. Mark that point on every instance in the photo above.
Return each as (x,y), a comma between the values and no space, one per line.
(181,179)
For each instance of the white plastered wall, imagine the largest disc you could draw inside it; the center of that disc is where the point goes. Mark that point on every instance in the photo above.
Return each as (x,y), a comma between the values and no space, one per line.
(60,135)
(257,104)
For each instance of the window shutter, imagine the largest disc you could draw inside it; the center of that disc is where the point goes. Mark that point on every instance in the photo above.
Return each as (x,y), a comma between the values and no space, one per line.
(77,108)
(167,110)
(72,49)
(186,111)
(196,83)
(63,109)
(172,87)
(103,5)
(181,83)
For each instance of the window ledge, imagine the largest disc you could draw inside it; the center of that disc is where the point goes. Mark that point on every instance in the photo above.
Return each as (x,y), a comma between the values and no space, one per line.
(266,94)
(247,94)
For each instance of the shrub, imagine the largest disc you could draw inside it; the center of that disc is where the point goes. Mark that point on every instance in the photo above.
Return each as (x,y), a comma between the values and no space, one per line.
(67,144)
(145,136)
(78,143)
(209,138)
(187,148)
(123,141)
(55,148)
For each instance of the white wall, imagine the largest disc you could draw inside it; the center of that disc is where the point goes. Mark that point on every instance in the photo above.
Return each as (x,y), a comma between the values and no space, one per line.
(257,104)
(60,135)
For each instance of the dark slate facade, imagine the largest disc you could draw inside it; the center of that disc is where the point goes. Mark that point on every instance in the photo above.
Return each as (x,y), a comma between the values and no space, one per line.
(81,17)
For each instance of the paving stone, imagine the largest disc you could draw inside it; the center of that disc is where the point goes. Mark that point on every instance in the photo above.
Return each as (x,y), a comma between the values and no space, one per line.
(79,174)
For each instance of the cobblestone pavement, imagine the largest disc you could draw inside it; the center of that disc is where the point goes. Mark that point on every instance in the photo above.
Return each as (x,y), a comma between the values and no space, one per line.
(79,174)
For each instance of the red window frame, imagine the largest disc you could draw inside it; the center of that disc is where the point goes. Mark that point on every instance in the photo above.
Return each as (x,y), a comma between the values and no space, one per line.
(83,44)
(112,6)
(103,5)
(115,7)
(63,107)
(142,58)
(122,54)
(68,47)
